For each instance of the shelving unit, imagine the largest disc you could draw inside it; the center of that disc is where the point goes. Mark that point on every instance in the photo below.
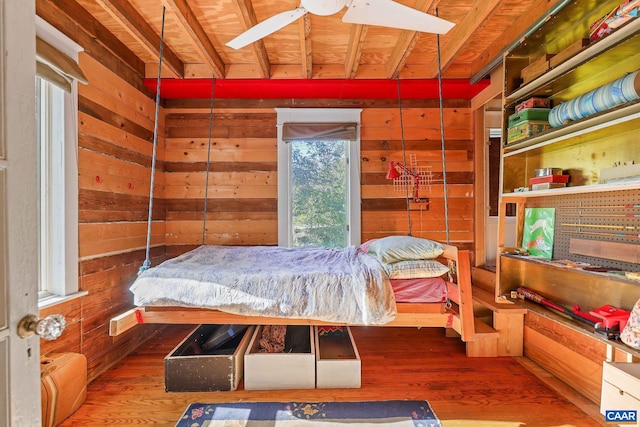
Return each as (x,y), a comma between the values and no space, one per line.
(595,223)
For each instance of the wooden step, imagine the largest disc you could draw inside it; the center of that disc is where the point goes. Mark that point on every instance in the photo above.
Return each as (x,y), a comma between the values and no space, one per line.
(488,300)
(485,343)
(508,321)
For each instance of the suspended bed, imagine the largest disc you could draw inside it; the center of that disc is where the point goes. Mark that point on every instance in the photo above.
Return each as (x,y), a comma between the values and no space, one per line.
(270,285)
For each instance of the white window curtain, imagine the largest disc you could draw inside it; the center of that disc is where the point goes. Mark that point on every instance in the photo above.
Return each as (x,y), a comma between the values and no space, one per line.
(323,131)
(56,67)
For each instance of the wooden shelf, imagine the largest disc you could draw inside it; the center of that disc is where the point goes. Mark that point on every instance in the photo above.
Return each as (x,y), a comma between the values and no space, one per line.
(552,265)
(594,50)
(570,133)
(575,190)
(574,325)
(583,149)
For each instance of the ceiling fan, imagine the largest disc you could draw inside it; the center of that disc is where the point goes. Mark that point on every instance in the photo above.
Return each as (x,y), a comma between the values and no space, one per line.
(384,13)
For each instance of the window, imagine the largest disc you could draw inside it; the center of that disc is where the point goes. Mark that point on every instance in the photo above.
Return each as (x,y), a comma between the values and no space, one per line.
(56,122)
(318,182)
(319,193)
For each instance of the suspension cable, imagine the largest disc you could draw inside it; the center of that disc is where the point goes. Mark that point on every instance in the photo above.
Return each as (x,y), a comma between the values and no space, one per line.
(147,261)
(206,181)
(404,158)
(444,159)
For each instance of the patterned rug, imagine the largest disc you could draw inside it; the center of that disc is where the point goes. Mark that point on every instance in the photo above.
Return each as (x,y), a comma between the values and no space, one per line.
(393,413)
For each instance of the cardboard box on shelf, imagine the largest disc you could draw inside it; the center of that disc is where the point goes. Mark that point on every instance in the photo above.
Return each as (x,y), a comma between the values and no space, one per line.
(536,68)
(536,114)
(525,130)
(568,52)
(533,102)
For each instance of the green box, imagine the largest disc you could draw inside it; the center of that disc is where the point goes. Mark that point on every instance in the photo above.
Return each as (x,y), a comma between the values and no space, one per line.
(536,114)
(525,130)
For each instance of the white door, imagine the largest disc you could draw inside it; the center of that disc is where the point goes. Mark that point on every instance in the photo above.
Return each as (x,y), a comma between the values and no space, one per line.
(19,358)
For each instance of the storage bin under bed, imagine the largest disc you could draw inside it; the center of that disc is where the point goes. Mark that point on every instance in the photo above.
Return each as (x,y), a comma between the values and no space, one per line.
(276,371)
(193,366)
(338,362)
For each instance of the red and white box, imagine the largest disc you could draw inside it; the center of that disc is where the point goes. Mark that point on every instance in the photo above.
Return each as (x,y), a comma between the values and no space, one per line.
(534,102)
(562,179)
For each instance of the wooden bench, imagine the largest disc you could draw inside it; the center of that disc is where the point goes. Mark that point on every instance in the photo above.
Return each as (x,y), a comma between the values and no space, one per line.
(508,322)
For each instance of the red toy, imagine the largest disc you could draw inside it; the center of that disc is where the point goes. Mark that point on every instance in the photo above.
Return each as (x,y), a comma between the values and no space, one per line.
(612,317)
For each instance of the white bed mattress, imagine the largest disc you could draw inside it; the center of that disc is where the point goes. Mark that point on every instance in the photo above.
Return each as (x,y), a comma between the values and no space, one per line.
(333,285)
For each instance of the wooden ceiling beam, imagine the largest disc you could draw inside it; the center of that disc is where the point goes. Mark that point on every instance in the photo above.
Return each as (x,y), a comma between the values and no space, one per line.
(198,36)
(406,42)
(244,10)
(306,58)
(515,31)
(462,34)
(354,50)
(132,22)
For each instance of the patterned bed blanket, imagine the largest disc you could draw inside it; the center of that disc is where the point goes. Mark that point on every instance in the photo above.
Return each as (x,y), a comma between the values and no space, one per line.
(341,285)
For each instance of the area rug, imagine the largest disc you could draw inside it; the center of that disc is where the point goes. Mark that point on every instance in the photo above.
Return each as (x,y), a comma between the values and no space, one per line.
(393,413)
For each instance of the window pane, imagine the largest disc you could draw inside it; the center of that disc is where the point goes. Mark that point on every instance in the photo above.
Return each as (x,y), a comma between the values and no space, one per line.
(50,138)
(319,185)
(41,125)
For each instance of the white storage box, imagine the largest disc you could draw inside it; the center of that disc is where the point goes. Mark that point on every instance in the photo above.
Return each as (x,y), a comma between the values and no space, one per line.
(278,371)
(620,389)
(337,360)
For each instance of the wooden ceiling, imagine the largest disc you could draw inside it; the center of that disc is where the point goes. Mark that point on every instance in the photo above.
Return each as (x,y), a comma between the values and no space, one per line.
(314,47)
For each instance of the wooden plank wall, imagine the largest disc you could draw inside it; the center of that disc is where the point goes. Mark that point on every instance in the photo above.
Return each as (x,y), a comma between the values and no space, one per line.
(115,134)
(571,356)
(242,195)
(242,198)
(384,210)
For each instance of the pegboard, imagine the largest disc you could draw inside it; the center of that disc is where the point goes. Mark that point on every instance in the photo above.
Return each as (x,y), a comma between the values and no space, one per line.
(599,217)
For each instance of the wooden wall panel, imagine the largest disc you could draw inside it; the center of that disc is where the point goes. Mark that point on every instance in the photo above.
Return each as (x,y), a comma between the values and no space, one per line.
(384,208)
(242,179)
(115,144)
(243,173)
(569,355)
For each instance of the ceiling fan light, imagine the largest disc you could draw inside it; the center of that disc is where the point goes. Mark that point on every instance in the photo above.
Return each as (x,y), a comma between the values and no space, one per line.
(323,7)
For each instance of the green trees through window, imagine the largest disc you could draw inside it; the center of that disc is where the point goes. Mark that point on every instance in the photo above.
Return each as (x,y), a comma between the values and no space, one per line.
(319,191)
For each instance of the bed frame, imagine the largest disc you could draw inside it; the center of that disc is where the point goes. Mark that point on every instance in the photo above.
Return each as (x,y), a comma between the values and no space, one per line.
(457,317)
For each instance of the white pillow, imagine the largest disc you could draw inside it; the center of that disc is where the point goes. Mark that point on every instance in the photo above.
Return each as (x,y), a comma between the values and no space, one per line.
(415,269)
(402,248)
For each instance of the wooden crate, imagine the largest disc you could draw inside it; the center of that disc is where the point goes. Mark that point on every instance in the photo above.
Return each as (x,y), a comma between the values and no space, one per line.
(278,371)
(568,52)
(186,368)
(535,68)
(337,360)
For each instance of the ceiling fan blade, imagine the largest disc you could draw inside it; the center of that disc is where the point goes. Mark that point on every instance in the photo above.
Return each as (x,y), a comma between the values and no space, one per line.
(388,13)
(266,27)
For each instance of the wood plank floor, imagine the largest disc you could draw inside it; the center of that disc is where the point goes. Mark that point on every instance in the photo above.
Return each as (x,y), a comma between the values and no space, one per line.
(397,363)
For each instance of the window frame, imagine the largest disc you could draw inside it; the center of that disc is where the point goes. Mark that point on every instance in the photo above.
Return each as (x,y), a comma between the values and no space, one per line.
(59,248)
(318,115)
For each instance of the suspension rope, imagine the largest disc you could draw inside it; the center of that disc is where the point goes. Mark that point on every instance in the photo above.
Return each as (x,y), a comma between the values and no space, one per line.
(147,262)
(444,159)
(206,181)
(404,158)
